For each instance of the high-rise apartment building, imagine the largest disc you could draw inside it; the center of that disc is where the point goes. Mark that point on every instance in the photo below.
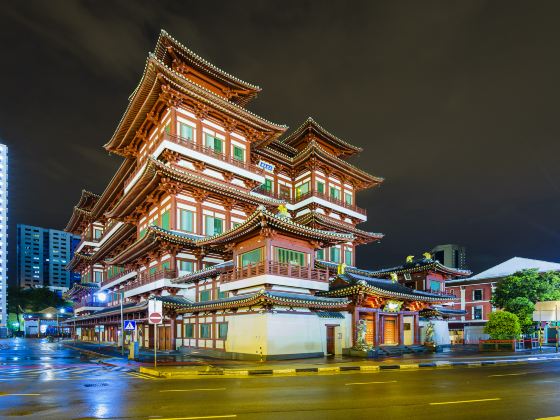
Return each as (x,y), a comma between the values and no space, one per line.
(451,255)
(3,234)
(42,256)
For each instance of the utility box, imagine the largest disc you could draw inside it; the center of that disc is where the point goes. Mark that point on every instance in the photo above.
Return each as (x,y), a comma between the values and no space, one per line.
(133,350)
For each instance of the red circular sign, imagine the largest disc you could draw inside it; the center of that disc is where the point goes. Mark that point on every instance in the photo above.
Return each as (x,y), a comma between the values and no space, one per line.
(155,318)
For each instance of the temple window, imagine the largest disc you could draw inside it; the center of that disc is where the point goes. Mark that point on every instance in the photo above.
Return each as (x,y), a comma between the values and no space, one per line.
(320,187)
(302,190)
(97,233)
(189,330)
(252,257)
(166,265)
(335,193)
(435,285)
(204,296)
(213,225)
(335,254)
(185,267)
(348,256)
(98,276)
(153,269)
(186,131)
(165,220)
(267,186)
(222,330)
(168,128)
(284,192)
(320,254)
(239,153)
(222,295)
(186,220)
(289,256)
(235,224)
(348,198)
(205,331)
(142,233)
(214,143)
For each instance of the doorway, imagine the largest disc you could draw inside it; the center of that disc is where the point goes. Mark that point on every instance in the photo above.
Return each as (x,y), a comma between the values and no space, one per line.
(164,337)
(408,326)
(330,340)
(389,332)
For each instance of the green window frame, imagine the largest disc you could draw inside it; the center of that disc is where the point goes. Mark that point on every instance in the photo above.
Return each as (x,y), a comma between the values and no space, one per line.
(213,225)
(186,220)
(166,265)
(205,330)
(320,254)
(302,189)
(335,255)
(267,186)
(222,330)
(165,220)
(189,330)
(348,256)
(320,187)
(239,153)
(435,285)
(142,233)
(204,296)
(98,276)
(289,256)
(97,233)
(186,131)
(335,193)
(214,143)
(187,266)
(221,295)
(168,128)
(153,269)
(348,198)
(251,257)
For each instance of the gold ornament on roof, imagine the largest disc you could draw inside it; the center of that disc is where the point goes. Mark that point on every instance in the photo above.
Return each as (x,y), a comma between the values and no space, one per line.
(394,277)
(427,255)
(410,258)
(341,268)
(283,211)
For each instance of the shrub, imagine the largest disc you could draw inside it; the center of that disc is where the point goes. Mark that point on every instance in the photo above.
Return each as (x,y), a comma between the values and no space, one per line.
(503,325)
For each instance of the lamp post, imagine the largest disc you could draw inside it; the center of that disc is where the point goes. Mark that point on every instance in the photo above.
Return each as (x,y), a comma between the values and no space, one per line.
(61,310)
(102,296)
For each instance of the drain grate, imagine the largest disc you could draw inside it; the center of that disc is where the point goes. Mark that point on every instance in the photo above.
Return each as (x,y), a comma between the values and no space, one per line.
(95,385)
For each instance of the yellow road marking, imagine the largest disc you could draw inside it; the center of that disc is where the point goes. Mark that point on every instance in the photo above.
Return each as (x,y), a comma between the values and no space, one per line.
(18,395)
(141,375)
(201,417)
(549,418)
(190,390)
(510,374)
(465,401)
(367,383)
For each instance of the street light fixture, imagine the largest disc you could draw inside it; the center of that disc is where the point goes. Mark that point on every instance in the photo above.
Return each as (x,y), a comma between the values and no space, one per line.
(102,296)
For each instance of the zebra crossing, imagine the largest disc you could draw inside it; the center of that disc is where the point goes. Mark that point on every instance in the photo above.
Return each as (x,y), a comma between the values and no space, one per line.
(15,372)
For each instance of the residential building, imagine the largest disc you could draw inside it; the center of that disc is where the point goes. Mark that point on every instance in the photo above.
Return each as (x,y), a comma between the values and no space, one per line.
(451,255)
(476,293)
(234,225)
(3,237)
(42,255)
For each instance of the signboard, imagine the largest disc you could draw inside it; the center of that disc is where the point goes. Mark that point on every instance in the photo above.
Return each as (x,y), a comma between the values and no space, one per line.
(130,325)
(155,318)
(266,166)
(155,311)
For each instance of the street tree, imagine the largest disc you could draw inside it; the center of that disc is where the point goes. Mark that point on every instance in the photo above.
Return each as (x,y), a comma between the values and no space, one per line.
(523,308)
(502,325)
(528,284)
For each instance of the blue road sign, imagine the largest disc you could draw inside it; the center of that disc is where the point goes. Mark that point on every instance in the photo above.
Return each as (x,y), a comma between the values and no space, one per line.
(129,325)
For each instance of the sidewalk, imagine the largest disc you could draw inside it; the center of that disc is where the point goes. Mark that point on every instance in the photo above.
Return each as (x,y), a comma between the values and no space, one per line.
(175,364)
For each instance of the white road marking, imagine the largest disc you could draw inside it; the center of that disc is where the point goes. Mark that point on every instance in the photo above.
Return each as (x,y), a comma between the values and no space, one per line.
(367,383)
(201,417)
(511,374)
(464,401)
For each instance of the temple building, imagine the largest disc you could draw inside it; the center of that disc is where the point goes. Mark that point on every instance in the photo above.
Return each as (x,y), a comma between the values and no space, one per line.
(245,232)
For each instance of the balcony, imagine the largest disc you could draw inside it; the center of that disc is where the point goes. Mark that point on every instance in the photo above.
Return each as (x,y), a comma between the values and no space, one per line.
(278,269)
(88,303)
(107,281)
(147,278)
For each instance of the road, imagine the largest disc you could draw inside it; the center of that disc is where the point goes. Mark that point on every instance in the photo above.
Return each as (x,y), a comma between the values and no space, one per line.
(40,380)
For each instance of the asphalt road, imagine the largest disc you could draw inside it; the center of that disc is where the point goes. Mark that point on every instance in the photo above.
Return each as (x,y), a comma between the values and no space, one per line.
(39,380)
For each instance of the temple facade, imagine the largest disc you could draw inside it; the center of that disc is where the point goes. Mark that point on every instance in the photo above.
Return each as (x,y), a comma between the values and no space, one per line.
(246,232)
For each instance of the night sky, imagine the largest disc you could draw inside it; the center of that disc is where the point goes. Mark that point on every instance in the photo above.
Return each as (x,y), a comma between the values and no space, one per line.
(454,102)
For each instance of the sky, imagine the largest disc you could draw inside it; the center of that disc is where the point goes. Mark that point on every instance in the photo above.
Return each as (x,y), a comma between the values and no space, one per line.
(455,104)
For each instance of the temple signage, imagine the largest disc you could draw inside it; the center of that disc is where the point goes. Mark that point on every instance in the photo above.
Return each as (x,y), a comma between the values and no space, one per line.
(266,166)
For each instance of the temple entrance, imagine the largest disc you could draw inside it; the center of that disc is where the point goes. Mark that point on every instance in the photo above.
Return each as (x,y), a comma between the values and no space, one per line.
(408,325)
(164,338)
(330,340)
(389,332)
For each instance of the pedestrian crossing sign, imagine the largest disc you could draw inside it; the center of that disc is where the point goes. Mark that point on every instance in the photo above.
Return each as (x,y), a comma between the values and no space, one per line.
(130,325)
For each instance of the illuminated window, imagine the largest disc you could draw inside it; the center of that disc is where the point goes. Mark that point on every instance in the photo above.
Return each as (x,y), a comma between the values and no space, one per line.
(214,143)
(252,257)
(186,131)
(213,225)
(205,331)
(186,220)
(239,153)
(289,256)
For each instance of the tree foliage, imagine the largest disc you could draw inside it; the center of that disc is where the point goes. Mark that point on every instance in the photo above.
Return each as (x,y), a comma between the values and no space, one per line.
(528,284)
(502,325)
(523,308)
(32,300)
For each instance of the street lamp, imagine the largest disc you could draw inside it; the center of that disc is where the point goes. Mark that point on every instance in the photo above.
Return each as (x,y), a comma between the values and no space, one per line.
(102,296)
(61,310)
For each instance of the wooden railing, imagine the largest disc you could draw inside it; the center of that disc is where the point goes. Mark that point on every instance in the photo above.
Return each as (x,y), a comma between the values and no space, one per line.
(89,303)
(278,269)
(147,278)
(116,277)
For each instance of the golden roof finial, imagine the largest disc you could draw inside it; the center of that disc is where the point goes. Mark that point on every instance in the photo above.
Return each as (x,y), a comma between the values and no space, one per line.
(410,258)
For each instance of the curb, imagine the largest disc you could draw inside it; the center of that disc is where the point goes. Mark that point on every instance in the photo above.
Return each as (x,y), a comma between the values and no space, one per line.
(94,353)
(341,369)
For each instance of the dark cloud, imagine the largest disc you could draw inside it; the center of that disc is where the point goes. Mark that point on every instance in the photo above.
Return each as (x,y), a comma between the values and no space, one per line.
(454,103)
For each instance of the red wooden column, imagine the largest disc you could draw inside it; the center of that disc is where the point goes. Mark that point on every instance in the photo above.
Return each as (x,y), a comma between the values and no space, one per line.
(173,122)
(376,329)
(417,329)
(401,329)
(172,331)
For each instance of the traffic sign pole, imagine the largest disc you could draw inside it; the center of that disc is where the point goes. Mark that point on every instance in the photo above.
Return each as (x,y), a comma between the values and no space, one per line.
(155,345)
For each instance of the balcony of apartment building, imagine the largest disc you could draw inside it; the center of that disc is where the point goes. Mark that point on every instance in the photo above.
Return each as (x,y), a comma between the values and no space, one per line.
(215,157)
(151,281)
(314,196)
(275,273)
